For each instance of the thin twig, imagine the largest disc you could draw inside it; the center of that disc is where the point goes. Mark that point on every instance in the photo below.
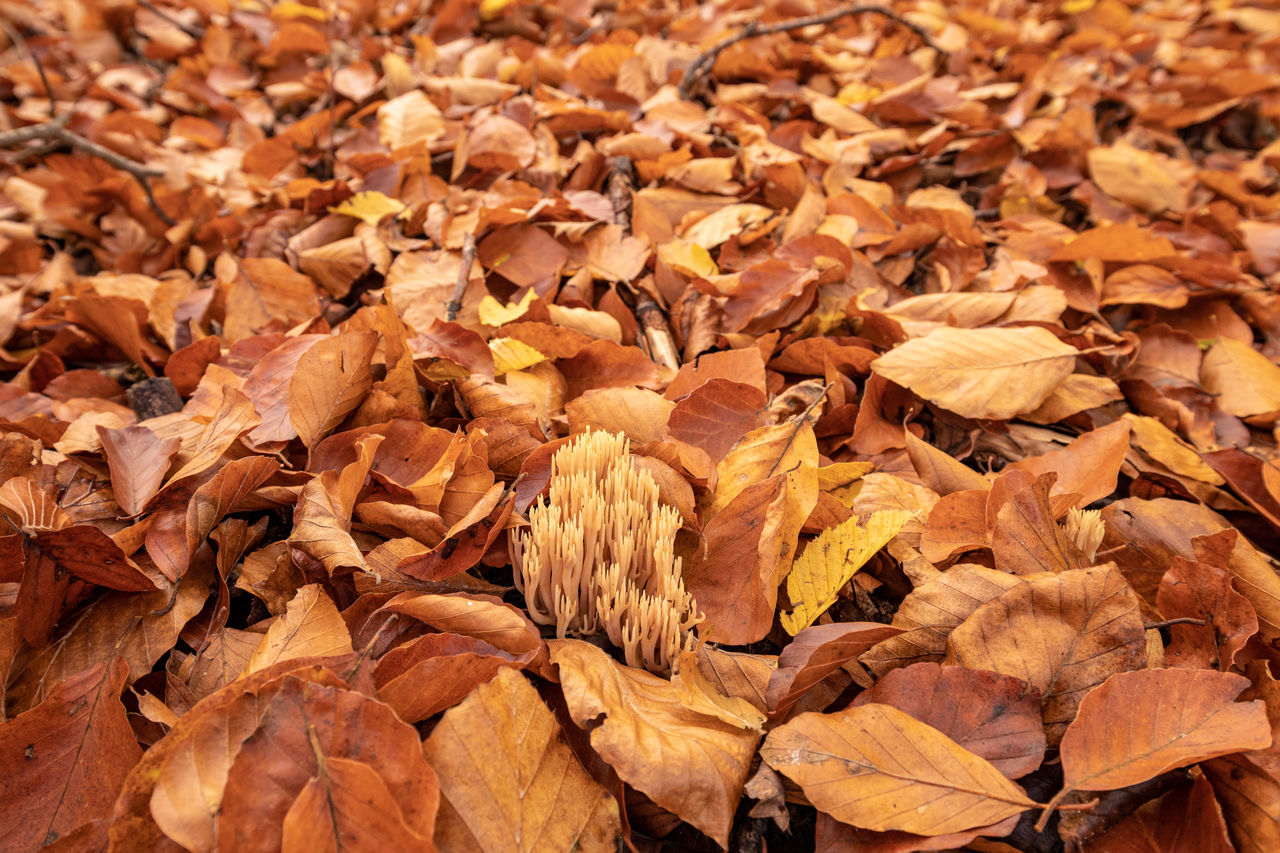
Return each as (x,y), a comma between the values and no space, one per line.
(1181,620)
(19,41)
(454,305)
(194,32)
(660,344)
(56,130)
(702,64)
(35,131)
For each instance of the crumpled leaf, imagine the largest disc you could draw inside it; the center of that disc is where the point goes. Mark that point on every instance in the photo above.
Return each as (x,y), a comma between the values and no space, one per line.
(1062,633)
(310,627)
(646,730)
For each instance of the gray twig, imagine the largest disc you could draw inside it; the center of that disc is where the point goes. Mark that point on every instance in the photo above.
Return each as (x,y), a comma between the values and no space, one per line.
(454,305)
(702,64)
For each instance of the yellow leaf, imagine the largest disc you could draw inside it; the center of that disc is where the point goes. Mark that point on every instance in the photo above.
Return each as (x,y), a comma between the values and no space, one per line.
(858,92)
(370,206)
(290,10)
(510,354)
(493,313)
(830,561)
(843,480)
(490,9)
(687,258)
(1075,7)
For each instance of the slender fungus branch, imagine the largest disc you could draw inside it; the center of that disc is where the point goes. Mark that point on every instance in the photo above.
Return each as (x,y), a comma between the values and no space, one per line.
(454,305)
(702,65)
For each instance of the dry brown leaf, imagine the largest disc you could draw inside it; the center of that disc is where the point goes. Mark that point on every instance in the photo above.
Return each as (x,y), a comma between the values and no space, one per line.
(65,760)
(981,373)
(1064,634)
(331,380)
(997,717)
(309,628)
(646,729)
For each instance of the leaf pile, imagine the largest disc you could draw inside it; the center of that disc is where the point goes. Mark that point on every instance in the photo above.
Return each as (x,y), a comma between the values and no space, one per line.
(951,331)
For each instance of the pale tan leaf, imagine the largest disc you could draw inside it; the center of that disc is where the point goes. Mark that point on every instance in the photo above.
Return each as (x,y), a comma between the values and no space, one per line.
(878,768)
(332,378)
(981,373)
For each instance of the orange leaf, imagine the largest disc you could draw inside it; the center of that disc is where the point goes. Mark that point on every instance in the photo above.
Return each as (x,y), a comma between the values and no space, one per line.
(1140,724)
(331,379)
(646,730)
(508,780)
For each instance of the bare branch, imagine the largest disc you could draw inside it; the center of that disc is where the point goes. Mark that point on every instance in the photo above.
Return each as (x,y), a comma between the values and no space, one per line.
(702,64)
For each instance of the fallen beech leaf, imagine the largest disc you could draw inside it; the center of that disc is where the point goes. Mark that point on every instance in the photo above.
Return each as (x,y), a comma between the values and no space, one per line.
(370,207)
(310,627)
(508,780)
(981,373)
(646,729)
(436,671)
(715,415)
(138,460)
(815,653)
(929,613)
(302,727)
(176,790)
(91,555)
(1088,466)
(1115,243)
(1250,795)
(322,518)
(1186,820)
(409,119)
(1245,382)
(1140,724)
(1064,634)
(939,471)
(879,768)
(1201,589)
(1148,181)
(1027,539)
(332,378)
(64,761)
(348,805)
(749,545)
(698,694)
(235,416)
(997,717)
(830,561)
